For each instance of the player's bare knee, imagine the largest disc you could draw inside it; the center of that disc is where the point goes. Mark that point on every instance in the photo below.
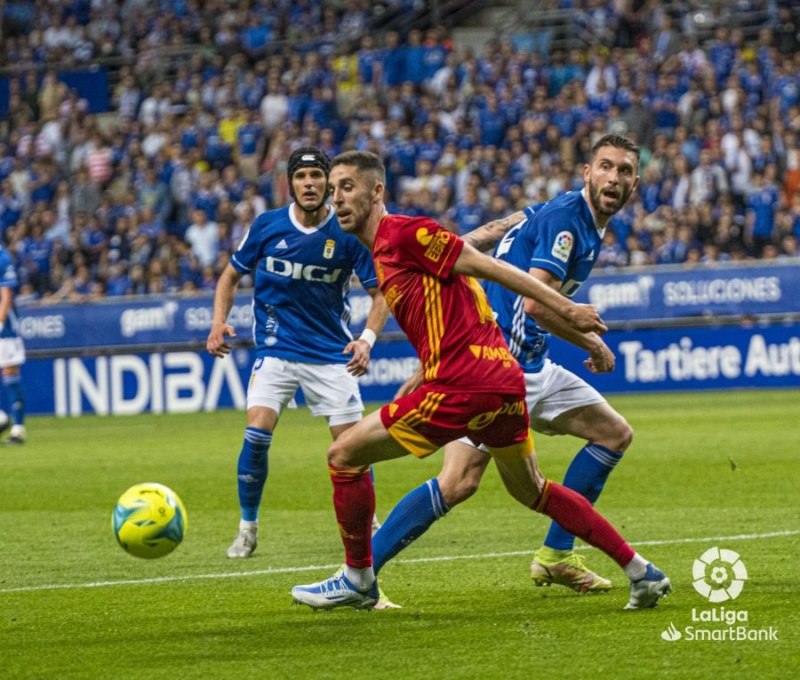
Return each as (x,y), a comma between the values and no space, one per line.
(617,435)
(338,456)
(623,435)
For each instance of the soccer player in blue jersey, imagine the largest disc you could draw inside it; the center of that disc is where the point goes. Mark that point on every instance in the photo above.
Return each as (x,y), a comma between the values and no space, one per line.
(558,242)
(12,353)
(301,263)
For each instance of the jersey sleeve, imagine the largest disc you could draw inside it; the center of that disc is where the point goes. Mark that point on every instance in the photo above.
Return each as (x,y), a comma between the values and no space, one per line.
(554,237)
(429,246)
(246,256)
(531,210)
(363,265)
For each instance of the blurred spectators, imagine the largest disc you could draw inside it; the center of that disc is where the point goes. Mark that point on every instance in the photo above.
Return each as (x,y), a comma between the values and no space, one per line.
(209,98)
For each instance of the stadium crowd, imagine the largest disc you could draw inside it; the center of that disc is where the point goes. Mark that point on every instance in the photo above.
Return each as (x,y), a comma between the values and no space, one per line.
(211,97)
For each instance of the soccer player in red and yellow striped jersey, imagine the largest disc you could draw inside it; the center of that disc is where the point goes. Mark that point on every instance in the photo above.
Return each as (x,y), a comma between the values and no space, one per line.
(472,386)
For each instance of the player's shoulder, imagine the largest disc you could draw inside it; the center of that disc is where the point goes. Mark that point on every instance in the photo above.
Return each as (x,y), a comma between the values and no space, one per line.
(269,224)
(566,210)
(395,219)
(272,217)
(569,200)
(399,229)
(392,221)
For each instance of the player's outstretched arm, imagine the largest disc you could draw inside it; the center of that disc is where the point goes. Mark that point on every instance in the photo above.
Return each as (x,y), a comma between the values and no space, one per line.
(485,237)
(362,347)
(473,263)
(224,295)
(601,358)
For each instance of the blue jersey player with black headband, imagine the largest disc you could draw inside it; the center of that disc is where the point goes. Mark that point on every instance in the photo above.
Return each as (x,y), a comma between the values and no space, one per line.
(301,264)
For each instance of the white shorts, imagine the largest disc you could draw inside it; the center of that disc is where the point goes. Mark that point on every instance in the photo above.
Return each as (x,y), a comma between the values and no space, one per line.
(552,391)
(555,390)
(12,352)
(328,388)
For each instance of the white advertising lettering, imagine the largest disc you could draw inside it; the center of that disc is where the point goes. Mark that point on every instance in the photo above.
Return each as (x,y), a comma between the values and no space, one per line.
(722,291)
(298,271)
(682,360)
(200,318)
(679,361)
(162,318)
(607,296)
(772,359)
(50,327)
(176,382)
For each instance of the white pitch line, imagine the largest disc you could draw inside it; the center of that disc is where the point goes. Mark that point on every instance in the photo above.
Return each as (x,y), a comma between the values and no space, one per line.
(415,560)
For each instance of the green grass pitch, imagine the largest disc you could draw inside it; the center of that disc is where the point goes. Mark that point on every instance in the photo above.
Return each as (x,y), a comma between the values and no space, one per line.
(705,469)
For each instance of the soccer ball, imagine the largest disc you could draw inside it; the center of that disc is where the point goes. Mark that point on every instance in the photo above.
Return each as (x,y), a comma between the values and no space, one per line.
(149,520)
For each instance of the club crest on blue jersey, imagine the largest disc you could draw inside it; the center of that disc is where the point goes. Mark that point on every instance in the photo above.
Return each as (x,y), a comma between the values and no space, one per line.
(330,246)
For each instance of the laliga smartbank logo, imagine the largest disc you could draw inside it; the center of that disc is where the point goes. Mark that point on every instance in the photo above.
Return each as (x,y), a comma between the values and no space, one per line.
(719,575)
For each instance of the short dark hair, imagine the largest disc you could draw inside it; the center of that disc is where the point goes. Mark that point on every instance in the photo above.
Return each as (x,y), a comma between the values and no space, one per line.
(618,142)
(364,161)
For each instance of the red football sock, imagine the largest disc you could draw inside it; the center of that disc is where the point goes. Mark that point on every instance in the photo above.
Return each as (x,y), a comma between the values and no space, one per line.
(354,502)
(576,514)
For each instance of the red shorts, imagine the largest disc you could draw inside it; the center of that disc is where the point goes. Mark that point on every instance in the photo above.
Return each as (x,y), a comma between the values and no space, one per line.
(432,416)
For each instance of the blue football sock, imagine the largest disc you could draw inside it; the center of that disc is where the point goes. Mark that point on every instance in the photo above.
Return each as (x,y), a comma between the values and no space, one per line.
(252,471)
(587,474)
(407,521)
(12,386)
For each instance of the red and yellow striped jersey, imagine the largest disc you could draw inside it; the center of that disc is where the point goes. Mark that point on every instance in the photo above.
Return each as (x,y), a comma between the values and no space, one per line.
(445,315)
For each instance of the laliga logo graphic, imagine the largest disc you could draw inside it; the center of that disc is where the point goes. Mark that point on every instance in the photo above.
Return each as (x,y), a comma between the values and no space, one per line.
(719,575)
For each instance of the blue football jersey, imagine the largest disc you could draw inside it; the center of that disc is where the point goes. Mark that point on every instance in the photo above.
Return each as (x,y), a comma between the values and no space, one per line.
(559,236)
(301,277)
(8,279)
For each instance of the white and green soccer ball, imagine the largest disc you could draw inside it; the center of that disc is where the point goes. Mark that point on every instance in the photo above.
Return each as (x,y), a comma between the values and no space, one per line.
(149,520)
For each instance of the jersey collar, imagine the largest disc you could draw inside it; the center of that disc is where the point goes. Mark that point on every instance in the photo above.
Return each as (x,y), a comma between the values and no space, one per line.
(309,230)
